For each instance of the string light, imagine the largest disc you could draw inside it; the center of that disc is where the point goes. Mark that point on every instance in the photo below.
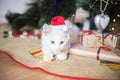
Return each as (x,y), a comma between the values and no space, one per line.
(113,28)
(118,15)
(111,2)
(116,3)
(114,20)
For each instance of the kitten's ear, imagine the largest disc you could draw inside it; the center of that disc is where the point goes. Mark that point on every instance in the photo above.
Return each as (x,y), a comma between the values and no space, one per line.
(46,29)
(66,31)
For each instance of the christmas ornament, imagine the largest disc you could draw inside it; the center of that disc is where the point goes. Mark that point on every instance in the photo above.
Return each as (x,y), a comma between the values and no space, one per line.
(17,34)
(5,34)
(24,35)
(102,20)
(36,34)
(10,33)
(36,31)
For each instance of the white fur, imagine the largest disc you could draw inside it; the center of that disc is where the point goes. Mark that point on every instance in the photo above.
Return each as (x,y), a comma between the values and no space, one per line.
(50,49)
(86,25)
(73,31)
(70,37)
(69,34)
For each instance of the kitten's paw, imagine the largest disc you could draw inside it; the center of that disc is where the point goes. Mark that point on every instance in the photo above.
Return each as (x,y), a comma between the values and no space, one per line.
(61,56)
(48,58)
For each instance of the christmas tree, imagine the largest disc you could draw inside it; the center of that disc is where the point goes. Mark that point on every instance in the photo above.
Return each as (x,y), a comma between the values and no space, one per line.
(41,11)
(30,17)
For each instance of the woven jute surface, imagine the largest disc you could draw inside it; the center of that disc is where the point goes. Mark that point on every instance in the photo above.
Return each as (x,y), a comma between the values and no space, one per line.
(75,65)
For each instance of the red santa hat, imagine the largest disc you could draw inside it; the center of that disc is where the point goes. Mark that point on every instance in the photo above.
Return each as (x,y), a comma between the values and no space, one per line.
(58,23)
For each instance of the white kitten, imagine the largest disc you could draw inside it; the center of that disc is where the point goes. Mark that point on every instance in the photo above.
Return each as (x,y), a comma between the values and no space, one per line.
(73,30)
(55,42)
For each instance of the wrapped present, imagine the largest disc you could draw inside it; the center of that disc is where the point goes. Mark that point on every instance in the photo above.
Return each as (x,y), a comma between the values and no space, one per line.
(112,40)
(93,39)
(116,51)
(96,53)
(90,38)
(111,65)
(37,53)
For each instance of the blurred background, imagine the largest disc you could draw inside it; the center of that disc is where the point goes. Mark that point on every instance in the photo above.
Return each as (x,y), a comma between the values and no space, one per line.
(36,13)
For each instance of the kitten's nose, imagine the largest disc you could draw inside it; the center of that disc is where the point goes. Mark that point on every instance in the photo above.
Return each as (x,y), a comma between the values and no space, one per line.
(57,48)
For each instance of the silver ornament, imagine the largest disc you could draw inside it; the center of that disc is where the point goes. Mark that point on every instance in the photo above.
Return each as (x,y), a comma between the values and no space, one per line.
(101,21)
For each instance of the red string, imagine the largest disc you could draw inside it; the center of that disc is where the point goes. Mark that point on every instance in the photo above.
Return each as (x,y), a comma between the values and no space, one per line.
(105,48)
(90,32)
(98,52)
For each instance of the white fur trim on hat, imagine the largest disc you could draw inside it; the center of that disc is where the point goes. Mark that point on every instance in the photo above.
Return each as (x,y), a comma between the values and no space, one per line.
(59,27)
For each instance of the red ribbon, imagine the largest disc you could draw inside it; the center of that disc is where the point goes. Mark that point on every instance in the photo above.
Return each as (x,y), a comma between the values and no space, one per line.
(86,32)
(98,52)
(116,35)
(89,32)
(105,48)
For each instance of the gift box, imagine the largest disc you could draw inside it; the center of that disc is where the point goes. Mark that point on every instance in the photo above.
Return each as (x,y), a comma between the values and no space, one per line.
(90,39)
(112,41)
(96,53)
(93,39)
(111,65)
(37,53)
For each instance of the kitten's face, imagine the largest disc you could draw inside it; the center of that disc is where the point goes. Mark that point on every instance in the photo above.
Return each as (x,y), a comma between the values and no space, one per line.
(57,40)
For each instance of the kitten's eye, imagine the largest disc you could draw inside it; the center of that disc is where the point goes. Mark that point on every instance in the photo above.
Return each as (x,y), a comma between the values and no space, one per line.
(61,42)
(52,42)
